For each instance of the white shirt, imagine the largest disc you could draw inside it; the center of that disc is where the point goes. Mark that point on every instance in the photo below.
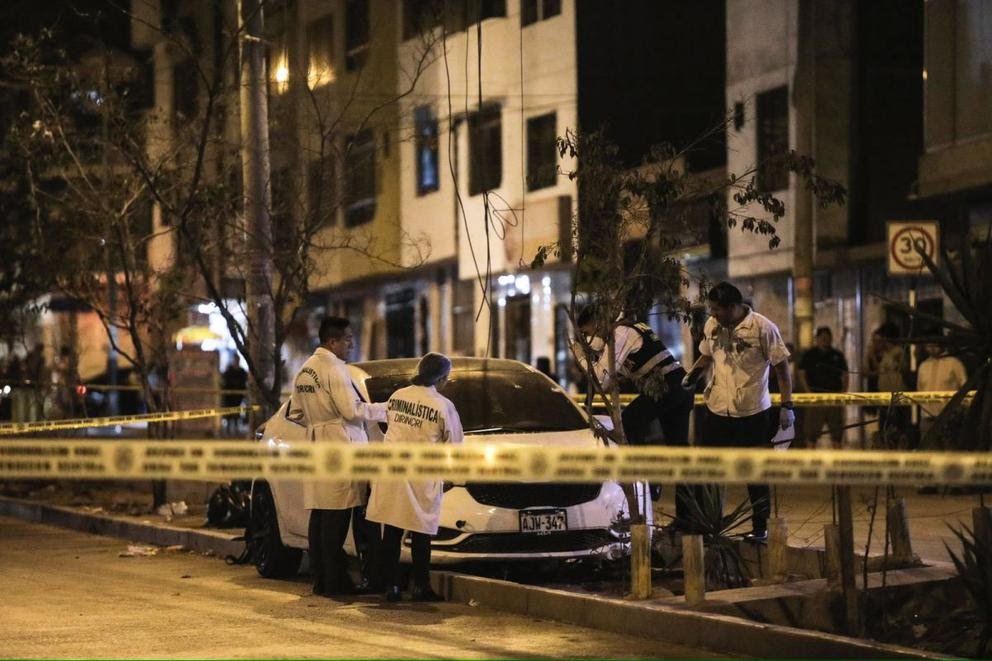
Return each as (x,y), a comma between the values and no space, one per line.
(325,400)
(417,414)
(626,341)
(741,357)
(940,373)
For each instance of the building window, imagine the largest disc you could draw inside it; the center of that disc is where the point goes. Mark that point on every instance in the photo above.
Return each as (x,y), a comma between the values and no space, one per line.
(357,35)
(485,144)
(532,11)
(320,51)
(425,127)
(773,139)
(359,165)
(420,17)
(185,87)
(541,133)
(322,185)
(459,14)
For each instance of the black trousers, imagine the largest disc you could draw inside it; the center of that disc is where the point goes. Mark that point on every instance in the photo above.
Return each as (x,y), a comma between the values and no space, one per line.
(747,432)
(368,543)
(420,543)
(326,534)
(672,412)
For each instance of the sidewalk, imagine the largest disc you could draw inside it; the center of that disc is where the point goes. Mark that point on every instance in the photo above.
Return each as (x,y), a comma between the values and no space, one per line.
(122,510)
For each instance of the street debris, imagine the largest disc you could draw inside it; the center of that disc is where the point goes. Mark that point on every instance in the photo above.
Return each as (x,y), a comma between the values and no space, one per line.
(136,550)
(173,509)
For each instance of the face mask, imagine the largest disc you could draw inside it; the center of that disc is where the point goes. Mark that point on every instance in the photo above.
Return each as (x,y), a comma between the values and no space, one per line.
(597,344)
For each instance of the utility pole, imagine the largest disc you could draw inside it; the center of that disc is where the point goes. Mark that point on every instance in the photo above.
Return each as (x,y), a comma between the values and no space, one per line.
(257,199)
(804,102)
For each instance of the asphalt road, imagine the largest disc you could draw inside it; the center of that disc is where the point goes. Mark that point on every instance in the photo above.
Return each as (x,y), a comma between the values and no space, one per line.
(68,594)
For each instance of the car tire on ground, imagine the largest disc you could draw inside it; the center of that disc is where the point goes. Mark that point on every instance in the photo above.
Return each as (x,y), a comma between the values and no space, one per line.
(271,557)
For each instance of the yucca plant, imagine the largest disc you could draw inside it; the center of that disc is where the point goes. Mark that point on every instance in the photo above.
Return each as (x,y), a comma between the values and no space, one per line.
(966,278)
(974,567)
(705,516)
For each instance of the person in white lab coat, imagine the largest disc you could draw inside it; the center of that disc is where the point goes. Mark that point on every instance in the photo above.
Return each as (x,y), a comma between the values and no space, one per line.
(326,400)
(417,414)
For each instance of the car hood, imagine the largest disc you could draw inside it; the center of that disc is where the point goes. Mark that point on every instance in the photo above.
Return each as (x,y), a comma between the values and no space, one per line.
(579,438)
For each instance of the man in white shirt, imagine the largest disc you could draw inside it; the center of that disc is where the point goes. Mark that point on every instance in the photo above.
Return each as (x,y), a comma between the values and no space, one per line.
(938,372)
(740,344)
(326,400)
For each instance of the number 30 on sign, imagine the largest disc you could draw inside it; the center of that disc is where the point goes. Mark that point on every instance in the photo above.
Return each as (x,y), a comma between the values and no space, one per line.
(906,240)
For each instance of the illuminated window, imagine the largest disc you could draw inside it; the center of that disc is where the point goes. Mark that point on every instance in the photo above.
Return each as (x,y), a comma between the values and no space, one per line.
(279,66)
(320,47)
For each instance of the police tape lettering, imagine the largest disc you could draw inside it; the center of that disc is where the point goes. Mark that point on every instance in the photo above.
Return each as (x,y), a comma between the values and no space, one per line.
(225,460)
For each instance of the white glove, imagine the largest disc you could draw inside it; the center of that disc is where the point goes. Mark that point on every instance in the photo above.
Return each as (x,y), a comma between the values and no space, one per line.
(786,417)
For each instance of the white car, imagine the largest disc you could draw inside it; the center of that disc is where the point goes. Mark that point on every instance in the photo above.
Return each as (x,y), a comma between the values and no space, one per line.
(501,401)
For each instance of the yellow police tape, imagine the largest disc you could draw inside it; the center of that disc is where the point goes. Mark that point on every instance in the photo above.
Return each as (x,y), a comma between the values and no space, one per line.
(9,429)
(226,460)
(818,399)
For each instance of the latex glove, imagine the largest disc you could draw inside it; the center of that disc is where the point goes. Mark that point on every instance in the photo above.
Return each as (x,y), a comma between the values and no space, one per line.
(786,417)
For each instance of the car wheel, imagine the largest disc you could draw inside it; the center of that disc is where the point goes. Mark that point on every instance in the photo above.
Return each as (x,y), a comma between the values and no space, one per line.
(271,557)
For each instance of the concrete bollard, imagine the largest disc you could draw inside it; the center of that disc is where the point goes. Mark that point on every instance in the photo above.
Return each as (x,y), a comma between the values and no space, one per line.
(778,549)
(694,569)
(898,523)
(640,561)
(831,542)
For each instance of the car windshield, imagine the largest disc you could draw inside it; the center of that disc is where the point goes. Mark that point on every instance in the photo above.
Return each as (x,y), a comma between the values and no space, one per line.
(497,401)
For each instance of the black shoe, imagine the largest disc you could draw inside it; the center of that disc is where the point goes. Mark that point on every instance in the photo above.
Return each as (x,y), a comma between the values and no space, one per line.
(425,594)
(756,537)
(393,594)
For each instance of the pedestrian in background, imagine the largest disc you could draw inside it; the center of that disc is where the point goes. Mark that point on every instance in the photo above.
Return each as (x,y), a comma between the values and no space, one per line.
(326,400)
(644,360)
(739,345)
(418,413)
(823,369)
(234,380)
(885,364)
(940,371)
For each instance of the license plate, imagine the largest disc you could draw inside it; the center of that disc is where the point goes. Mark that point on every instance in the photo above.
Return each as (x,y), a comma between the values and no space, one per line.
(543,522)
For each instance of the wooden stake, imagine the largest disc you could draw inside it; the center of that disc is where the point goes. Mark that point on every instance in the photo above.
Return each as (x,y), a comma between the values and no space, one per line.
(831,538)
(694,569)
(778,548)
(640,561)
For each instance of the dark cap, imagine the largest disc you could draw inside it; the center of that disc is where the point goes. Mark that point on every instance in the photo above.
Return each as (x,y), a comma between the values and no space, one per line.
(432,368)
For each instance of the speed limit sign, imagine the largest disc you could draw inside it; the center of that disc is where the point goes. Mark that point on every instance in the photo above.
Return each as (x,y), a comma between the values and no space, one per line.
(907,239)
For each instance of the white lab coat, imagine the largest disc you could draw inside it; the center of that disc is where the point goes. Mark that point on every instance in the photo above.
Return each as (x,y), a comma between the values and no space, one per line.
(325,399)
(417,414)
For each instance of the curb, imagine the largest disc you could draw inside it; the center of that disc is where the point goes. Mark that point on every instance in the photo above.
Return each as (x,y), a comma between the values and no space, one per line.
(160,534)
(720,633)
